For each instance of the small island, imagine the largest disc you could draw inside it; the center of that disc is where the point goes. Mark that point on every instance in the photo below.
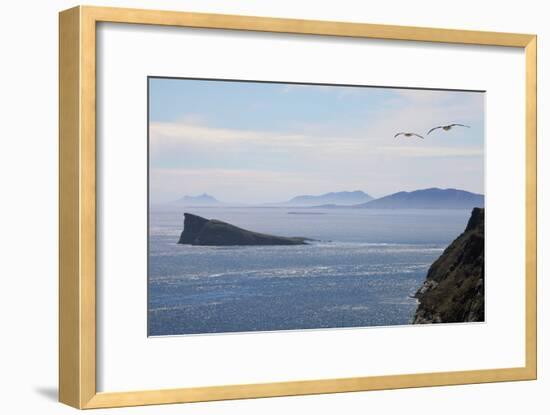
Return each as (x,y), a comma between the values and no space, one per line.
(211,232)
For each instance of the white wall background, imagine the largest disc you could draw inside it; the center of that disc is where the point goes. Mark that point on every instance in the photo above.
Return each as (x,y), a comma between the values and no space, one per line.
(28,208)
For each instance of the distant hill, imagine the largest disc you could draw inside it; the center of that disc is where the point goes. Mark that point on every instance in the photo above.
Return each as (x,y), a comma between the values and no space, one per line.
(433,198)
(332,198)
(200,200)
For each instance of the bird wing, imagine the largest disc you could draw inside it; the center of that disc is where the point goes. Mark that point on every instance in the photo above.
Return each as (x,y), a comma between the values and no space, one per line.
(398,134)
(435,128)
(460,125)
(418,135)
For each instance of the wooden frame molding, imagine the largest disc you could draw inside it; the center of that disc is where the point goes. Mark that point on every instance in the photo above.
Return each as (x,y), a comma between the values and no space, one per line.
(77,213)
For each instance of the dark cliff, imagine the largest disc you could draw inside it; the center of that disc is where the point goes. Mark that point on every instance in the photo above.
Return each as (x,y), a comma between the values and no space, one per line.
(200,231)
(454,290)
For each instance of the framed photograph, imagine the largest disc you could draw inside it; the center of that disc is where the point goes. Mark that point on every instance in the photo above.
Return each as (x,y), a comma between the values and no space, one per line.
(255,207)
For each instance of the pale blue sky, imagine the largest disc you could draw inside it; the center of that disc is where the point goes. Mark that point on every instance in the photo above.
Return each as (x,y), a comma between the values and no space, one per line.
(264,142)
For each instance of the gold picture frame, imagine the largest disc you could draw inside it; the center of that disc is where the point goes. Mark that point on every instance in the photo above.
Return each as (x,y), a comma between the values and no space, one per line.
(77,276)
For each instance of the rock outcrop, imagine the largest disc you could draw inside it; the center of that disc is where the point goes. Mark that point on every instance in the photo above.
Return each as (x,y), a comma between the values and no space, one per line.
(200,231)
(454,290)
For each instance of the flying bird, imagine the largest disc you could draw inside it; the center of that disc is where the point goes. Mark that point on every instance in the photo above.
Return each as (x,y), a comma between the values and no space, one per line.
(448,127)
(407,135)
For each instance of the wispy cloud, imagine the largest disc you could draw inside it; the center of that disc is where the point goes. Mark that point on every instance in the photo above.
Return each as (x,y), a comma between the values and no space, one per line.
(182,131)
(168,137)
(415,151)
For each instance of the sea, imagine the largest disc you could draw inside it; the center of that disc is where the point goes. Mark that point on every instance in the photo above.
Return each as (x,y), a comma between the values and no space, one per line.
(361,269)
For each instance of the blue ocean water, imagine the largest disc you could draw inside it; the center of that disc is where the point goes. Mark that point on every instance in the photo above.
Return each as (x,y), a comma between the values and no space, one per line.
(360,271)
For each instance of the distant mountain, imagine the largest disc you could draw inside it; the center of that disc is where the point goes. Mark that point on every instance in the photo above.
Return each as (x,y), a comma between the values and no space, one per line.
(333,198)
(200,200)
(433,198)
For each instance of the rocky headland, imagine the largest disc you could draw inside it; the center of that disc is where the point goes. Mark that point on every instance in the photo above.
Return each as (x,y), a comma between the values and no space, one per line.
(201,231)
(454,290)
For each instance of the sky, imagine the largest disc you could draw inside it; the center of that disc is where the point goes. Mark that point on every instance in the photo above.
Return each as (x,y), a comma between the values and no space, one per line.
(253,142)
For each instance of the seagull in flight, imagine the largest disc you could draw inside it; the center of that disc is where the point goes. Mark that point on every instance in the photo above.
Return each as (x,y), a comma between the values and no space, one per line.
(407,135)
(448,127)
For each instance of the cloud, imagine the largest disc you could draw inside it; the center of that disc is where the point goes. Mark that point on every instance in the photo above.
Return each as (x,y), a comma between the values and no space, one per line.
(170,137)
(182,131)
(416,151)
